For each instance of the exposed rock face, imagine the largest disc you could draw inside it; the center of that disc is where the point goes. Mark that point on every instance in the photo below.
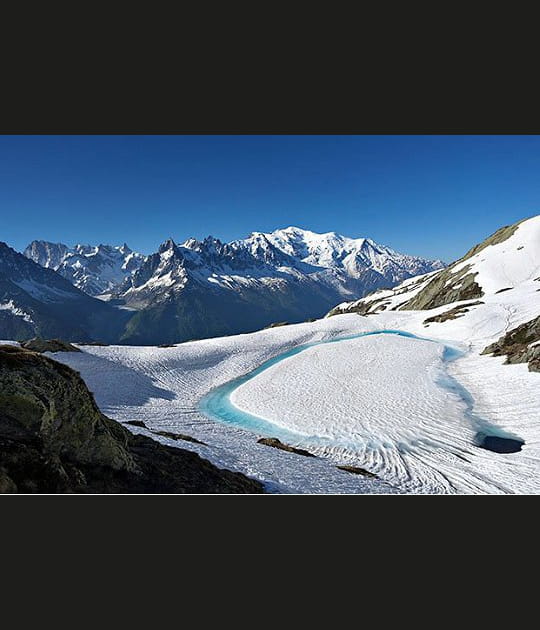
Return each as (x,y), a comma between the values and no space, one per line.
(49,345)
(516,345)
(445,288)
(453,313)
(365,307)
(501,235)
(449,285)
(275,443)
(53,438)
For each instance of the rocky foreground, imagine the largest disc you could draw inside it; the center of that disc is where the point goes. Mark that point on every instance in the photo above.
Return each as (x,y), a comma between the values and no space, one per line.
(54,439)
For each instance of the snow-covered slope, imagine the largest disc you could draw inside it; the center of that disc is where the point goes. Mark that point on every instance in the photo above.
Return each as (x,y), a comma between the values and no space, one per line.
(382,403)
(507,261)
(93,269)
(163,386)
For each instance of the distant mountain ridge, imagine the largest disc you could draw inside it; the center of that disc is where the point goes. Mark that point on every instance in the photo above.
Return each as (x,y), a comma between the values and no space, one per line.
(95,269)
(210,288)
(354,256)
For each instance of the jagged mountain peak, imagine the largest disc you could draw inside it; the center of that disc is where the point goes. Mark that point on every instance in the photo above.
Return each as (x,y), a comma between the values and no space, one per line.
(167,246)
(95,269)
(191,243)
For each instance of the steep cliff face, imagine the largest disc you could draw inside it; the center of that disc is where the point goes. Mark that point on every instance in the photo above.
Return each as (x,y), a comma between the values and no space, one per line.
(53,438)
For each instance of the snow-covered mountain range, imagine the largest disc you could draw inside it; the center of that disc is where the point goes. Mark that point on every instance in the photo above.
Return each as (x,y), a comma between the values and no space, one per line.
(93,269)
(432,389)
(353,256)
(206,288)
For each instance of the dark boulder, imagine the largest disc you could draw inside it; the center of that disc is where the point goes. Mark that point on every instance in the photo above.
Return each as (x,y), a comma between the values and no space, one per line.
(54,439)
(355,470)
(136,423)
(275,443)
(179,436)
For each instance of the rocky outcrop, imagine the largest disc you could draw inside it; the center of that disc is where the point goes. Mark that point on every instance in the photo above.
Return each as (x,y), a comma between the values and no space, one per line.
(517,346)
(449,286)
(446,287)
(501,235)
(277,325)
(54,439)
(179,436)
(49,345)
(453,313)
(275,443)
(136,423)
(364,307)
(355,470)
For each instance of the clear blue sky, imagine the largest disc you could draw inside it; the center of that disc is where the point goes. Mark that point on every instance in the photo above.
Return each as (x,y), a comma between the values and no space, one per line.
(426,195)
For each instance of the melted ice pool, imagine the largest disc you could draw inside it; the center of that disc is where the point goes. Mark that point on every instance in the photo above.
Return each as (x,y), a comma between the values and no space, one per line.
(383,398)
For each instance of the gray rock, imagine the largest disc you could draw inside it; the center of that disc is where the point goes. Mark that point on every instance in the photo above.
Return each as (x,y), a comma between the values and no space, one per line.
(54,439)
(516,345)
(49,345)
(275,443)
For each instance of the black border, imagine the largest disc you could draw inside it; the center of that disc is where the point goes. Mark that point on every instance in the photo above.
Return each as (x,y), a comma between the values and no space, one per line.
(361,530)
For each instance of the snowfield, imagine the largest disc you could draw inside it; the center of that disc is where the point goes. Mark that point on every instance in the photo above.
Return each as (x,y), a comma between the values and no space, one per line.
(380,399)
(393,405)
(163,388)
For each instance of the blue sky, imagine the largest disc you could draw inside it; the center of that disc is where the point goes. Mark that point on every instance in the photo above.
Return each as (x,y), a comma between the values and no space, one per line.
(425,195)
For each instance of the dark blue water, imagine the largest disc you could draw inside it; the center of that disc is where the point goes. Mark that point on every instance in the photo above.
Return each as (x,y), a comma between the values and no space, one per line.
(218,406)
